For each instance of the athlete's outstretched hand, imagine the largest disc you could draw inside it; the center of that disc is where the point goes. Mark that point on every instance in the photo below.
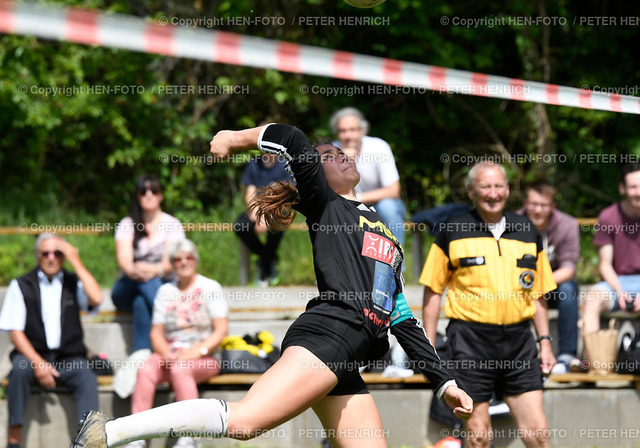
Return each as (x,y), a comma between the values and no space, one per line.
(227,143)
(221,145)
(459,401)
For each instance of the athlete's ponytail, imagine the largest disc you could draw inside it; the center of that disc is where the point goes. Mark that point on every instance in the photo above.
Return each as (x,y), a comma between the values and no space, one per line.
(275,204)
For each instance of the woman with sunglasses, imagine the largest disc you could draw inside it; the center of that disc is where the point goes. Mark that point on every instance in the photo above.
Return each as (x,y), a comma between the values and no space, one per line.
(357,261)
(189,323)
(142,239)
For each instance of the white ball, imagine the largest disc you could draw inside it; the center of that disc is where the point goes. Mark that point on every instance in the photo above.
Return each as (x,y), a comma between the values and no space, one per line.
(364,3)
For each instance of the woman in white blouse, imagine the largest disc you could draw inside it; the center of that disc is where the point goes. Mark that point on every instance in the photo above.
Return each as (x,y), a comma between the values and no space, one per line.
(142,239)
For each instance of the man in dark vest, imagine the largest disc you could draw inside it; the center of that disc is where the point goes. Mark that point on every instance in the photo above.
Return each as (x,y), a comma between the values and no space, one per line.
(41,314)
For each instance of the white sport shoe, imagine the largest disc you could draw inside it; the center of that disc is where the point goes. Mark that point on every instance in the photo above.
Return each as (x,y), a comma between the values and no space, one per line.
(392,371)
(559,368)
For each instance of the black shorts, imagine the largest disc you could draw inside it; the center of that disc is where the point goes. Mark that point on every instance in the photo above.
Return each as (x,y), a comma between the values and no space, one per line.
(485,358)
(343,347)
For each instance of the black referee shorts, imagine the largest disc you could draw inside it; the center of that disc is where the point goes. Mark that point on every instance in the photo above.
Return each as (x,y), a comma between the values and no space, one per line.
(343,347)
(485,358)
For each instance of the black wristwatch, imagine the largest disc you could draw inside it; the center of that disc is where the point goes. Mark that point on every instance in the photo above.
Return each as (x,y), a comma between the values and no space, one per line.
(545,337)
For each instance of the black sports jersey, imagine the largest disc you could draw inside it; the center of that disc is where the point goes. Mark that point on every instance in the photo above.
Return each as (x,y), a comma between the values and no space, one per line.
(356,257)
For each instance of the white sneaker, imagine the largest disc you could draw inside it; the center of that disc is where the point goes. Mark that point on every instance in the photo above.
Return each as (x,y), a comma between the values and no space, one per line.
(392,371)
(187,442)
(559,368)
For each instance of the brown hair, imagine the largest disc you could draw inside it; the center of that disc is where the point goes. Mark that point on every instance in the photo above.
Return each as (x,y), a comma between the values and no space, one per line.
(275,204)
(542,187)
(135,211)
(628,169)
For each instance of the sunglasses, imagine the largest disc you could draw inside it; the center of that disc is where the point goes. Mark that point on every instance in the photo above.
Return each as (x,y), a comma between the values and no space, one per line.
(185,259)
(56,253)
(153,190)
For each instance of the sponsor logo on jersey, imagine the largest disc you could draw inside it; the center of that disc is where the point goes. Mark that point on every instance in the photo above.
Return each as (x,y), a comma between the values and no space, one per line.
(377,320)
(378,225)
(378,247)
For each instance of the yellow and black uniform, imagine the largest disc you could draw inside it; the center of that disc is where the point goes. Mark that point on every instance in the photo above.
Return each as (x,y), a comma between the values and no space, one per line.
(492,283)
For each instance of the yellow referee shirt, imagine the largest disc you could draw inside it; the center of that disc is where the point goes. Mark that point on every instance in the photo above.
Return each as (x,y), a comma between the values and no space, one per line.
(490,281)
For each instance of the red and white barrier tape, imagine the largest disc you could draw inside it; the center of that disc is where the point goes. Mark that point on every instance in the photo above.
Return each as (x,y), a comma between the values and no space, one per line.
(134,33)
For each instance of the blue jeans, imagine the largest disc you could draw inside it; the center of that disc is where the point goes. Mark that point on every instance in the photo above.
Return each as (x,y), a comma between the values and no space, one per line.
(565,299)
(392,213)
(138,297)
(628,283)
(75,374)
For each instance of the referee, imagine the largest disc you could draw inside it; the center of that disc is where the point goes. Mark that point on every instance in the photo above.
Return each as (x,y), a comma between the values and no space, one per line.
(495,268)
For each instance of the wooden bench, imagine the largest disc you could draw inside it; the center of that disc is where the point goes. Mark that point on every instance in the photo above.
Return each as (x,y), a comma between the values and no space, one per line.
(593,379)
(247,379)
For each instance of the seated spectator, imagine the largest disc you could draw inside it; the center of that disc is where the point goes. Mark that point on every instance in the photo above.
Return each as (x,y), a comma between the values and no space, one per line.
(189,323)
(561,241)
(618,241)
(142,239)
(379,184)
(260,172)
(34,308)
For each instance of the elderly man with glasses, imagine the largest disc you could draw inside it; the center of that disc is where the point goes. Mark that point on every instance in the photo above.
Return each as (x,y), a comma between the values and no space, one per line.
(41,314)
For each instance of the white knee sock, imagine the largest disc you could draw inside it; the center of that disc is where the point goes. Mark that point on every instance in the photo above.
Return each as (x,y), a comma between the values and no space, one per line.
(195,418)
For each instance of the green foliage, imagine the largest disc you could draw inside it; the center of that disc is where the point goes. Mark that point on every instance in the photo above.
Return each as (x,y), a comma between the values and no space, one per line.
(80,123)
(587,271)
(16,257)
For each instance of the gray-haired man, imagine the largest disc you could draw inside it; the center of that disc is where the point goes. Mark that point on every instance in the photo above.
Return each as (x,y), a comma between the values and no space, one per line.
(40,312)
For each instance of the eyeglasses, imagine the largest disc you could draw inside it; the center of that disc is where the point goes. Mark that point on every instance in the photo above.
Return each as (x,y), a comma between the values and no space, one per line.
(56,253)
(535,205)
(154,190)
(185,259)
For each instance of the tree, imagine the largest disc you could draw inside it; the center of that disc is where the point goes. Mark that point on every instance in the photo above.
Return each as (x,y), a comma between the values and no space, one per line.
(80,122)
